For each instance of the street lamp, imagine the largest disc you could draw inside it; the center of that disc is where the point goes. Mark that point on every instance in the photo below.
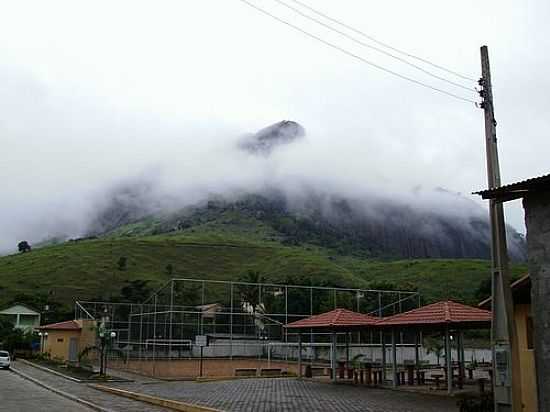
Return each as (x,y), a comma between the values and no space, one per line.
(105,338)
(43,336)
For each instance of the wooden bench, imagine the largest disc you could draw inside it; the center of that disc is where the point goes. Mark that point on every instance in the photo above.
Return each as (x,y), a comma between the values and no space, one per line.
(245,372)
(318,371)
(271,372)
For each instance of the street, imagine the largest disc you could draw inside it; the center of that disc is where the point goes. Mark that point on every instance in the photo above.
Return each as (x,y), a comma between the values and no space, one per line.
(18,394)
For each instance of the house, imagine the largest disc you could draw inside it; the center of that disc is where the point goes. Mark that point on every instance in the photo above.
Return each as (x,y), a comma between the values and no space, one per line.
(23,317)
(65,340)
(535,193)
(521,294)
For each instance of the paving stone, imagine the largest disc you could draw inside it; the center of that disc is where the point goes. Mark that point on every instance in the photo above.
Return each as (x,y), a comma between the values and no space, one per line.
(282,395)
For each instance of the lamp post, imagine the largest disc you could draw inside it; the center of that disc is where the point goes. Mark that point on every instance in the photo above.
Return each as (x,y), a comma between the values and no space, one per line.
(43,336)
(105,338)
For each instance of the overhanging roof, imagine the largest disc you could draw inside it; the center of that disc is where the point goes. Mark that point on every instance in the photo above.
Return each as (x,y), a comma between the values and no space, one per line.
(517,190)
(438,314)
(335,319)
(521,292)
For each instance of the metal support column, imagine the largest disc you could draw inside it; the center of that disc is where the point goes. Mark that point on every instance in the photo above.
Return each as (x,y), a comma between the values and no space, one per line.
(299,354)
(394,358)
(383,338)
(417,349)
(333,357)
(448,361)
(347,349)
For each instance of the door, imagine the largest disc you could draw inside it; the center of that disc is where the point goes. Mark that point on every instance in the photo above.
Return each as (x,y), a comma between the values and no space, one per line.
(73,350)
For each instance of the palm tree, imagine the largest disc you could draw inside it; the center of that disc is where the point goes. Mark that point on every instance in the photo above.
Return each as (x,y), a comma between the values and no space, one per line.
(435,346)
(251,294)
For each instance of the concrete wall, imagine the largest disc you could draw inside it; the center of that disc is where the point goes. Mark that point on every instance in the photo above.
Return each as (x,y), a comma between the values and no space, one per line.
(537,219)
(189,368)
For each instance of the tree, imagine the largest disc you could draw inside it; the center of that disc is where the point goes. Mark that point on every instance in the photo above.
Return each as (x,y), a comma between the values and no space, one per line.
(135,291)
(12,339)
(435,346)
(250,295)
(103,348)
(122,261)
(24,246)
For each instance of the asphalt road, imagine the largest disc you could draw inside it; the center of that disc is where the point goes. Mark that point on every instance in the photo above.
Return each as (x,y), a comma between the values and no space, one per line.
(20,395)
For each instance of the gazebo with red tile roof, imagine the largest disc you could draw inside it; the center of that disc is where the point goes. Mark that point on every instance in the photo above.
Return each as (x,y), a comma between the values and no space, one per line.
(337,319)
(444,316)
(444,313)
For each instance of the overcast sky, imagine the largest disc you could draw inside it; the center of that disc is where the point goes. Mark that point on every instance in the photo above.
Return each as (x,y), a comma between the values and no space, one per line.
(94,92)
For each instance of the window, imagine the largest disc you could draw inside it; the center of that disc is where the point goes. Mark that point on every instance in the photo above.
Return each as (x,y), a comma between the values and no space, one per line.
(60,340)
(529,331)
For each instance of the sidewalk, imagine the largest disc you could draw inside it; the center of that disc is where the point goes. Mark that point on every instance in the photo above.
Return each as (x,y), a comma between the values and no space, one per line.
(83,391)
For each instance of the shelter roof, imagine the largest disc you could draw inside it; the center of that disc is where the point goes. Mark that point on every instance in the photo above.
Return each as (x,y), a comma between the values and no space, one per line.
(517,190)
(440,313)
(67,325)
(337,318)
(19,309)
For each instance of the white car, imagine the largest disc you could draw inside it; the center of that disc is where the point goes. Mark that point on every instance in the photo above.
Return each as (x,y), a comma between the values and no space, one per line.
(4,359)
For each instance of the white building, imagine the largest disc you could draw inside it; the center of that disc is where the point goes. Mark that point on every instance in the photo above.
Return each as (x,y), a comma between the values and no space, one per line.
(23,317)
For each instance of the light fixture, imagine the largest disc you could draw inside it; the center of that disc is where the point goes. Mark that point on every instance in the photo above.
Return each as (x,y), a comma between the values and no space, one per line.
(113,334)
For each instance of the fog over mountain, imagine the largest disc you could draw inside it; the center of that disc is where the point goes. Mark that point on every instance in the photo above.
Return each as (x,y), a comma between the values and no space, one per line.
(421,222)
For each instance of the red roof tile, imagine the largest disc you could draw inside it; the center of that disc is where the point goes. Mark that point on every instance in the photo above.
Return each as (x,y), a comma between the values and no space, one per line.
(444,312)
(67,325)
(335,318)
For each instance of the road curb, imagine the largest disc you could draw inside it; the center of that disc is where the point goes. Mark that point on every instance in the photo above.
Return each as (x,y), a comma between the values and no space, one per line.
(153,400)
(60,392)
(62,375)
(54,372)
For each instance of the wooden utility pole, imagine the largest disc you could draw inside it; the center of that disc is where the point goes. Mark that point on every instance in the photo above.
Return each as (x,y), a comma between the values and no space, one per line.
(506,375)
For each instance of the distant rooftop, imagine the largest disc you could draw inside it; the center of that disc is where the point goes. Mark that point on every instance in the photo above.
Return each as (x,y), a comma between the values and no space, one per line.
(67,325)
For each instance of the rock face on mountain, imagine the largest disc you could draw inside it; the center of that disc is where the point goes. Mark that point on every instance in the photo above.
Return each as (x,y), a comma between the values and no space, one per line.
(378,229)
(267,139)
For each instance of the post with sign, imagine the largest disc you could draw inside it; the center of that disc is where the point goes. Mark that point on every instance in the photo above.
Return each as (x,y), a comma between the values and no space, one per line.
(201,341)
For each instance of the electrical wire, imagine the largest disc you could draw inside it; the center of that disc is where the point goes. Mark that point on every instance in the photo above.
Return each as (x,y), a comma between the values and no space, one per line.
(356,56)
(412,56)
(328,26)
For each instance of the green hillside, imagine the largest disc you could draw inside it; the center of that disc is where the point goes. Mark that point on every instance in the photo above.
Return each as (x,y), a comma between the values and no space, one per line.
(89,269)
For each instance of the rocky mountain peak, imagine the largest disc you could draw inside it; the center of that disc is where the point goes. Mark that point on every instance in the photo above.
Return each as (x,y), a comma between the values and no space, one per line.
(267,139)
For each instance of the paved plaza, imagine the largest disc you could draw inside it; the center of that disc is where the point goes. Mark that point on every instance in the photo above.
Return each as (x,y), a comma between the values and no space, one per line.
(245,395)
(283,395)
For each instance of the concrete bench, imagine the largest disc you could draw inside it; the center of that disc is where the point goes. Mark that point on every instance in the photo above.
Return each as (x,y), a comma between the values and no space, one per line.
(271,372)
(245,372)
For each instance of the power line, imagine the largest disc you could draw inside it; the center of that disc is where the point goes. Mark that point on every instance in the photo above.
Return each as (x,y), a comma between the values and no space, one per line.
(328,26)
(412,56)
(334,46)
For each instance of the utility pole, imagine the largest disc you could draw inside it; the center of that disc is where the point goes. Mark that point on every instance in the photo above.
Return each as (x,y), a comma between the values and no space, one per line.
(506,375)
